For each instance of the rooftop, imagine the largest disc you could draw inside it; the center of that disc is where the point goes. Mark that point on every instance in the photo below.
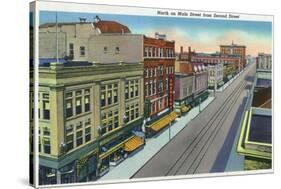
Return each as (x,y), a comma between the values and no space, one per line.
(105,26)
(261,129)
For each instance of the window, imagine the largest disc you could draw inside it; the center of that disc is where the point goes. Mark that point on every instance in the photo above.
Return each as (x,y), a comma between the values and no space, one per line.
(160,86)
(47,146)
(109,97)
(155,87)
(46,131)
(87,103)
(131,89)
(69,142)
(102,99)
(87,134)
(79,138)
(71,50)
(145,51)
(69,129)
(115,96)
(116,119)
(117,50)
(146,89)
(155,51)
(151,88)
(109,94)
(105,50)
(46,110)
(160,68)
(78,107)
(82,50)
(150,52)
(69,111)
(132,111)
(127,92)
(79,125)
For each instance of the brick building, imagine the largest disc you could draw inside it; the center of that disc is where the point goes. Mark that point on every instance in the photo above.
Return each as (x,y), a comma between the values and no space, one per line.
(159,78)
(234,49)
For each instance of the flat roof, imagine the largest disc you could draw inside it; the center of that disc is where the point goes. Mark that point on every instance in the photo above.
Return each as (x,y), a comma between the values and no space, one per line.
(261,129)
(261,82)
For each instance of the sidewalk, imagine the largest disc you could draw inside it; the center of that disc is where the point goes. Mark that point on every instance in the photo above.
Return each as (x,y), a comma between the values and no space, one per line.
(132,164)
(229,82)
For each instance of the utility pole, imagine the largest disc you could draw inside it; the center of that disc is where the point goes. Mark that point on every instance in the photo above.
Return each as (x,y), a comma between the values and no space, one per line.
(57,40)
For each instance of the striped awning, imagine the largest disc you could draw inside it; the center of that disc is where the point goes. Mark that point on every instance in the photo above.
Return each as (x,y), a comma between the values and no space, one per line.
(133,144)
(163,122)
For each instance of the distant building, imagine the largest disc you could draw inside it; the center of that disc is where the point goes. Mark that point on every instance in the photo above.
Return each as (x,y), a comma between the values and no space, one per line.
(264,61)
(234,49)
(186,55)
(201,83)
(184,87)
(215,75)
(159,78)
(231,65)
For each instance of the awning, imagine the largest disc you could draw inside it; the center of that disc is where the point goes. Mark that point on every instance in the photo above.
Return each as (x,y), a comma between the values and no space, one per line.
(185,108)
(133,144)
(158,125)
(173,115)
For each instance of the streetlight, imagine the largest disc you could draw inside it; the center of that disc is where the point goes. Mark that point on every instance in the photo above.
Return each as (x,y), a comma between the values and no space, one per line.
(199,104)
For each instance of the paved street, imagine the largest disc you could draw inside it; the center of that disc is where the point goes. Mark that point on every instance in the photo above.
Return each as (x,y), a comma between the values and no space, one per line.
(206,144)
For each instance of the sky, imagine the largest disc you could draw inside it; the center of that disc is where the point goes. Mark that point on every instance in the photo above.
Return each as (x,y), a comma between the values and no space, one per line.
(203,35)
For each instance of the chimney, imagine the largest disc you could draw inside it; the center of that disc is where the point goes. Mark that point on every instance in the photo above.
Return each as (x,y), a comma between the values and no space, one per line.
(189,54)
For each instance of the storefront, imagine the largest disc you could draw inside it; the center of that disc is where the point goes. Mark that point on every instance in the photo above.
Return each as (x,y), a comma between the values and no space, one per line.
(160,124)
(183,106)
(200,98)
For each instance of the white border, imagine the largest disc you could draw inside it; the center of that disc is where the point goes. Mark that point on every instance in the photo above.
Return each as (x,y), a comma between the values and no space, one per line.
(45,5)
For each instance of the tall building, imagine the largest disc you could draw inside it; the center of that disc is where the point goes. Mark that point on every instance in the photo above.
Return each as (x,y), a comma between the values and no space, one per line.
(234,49)
(159,66)
(91,103)
(87,119)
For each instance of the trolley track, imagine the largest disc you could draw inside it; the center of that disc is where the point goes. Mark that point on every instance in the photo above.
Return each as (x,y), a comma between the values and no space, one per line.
(190,158)
(187,164)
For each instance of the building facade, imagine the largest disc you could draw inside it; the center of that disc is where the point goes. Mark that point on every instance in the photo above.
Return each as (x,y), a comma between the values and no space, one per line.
(201,83)
(70,40)
(255,141)
(234,49)
(231,64)
(264,61)
(184,87)
(91,104)
(88,120)
(159,78)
